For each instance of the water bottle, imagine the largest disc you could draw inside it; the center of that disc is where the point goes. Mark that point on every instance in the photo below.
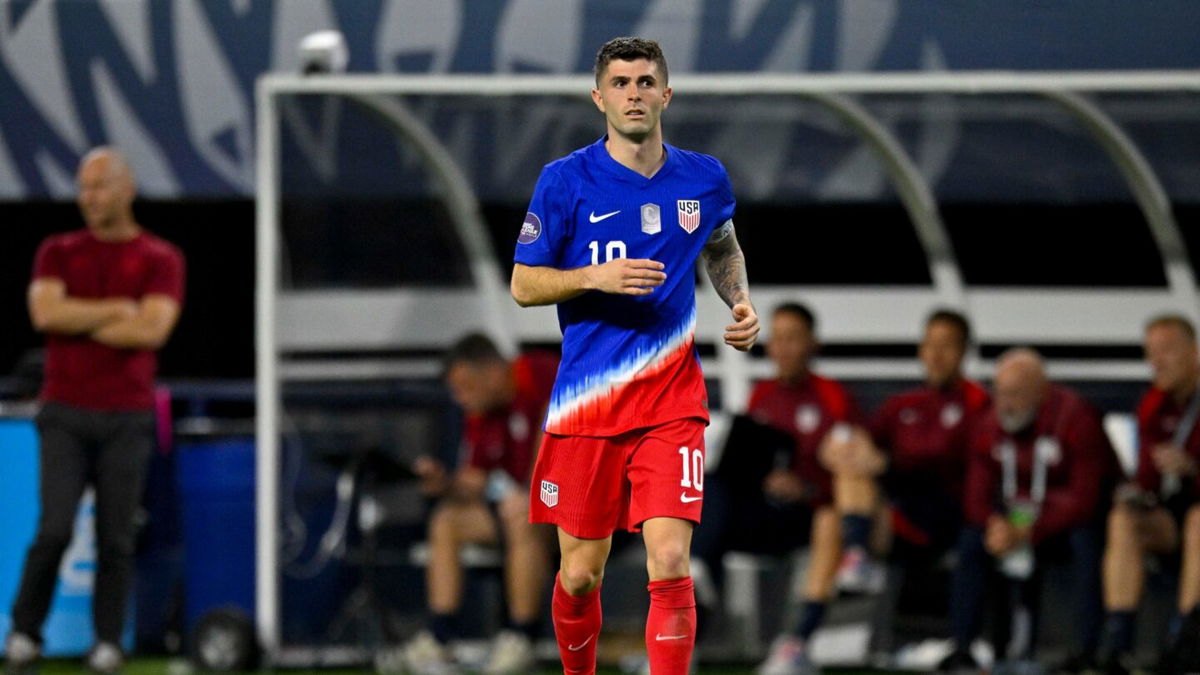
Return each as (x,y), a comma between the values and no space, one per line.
(1018,563)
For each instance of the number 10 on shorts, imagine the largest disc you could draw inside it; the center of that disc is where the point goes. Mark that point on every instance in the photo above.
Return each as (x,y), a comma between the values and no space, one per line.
(693,468)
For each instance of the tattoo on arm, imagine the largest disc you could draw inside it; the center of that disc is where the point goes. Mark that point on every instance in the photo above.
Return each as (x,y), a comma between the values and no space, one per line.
(727,268)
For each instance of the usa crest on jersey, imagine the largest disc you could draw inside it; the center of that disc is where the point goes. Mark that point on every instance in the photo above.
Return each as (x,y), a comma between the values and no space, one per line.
(689,214)
(549,494)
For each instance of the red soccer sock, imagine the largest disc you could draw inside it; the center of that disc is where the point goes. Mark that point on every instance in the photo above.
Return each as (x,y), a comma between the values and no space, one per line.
(577,628)
(671,626)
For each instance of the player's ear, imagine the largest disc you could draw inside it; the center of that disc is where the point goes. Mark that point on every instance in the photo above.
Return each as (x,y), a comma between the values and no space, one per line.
(667,92)
(598,100)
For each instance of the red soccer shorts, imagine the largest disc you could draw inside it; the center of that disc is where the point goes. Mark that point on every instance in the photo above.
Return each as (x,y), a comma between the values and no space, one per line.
(591,486)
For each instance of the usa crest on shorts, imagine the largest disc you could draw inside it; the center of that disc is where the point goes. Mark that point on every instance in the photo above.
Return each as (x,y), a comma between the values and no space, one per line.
(549,494)
(689,214)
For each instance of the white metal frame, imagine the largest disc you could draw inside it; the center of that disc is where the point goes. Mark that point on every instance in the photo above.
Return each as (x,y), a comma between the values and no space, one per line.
(1110,316)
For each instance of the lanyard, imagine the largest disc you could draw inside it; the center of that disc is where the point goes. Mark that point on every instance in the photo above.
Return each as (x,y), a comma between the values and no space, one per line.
(1043,448)
(1170,482)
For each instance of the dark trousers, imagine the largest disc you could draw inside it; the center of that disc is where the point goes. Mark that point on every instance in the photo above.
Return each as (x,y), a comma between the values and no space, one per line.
(109,451)
(741,518)
(1081,548)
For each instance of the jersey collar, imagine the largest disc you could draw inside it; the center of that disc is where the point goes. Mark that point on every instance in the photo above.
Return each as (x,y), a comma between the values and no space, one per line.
(623,173)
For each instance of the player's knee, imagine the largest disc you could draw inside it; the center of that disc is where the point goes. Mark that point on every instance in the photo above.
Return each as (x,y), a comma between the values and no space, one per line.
(1122,526)
(442,524)
(579,579)
(668,561)
(1191,526)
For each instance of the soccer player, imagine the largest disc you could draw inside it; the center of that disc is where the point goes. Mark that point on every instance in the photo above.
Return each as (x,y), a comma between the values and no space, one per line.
(1159,512)
(612,235)
(902,495)
(484,502)
(1039,473)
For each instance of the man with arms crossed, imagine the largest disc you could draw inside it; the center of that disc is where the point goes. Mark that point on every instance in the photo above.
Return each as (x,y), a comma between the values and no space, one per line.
(107,298)
(611,237)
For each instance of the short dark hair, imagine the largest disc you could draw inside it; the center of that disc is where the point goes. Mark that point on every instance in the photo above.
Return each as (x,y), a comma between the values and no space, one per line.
(799,311)
(1177,320)
(954,318)
(475,349)
(630,49)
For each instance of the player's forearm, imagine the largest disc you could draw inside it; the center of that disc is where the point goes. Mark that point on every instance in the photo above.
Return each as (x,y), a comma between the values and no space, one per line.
(127,334)
(727,270)
(547,285)
(134,333)
(73,316)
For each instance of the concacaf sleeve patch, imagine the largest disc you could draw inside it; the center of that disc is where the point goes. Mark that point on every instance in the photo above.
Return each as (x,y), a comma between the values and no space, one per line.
(531,229)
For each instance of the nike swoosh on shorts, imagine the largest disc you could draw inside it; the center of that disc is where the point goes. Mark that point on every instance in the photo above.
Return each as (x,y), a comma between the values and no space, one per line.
(683,497)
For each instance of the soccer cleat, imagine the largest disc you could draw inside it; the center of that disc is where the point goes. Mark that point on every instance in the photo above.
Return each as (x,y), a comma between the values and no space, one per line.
(511,653)
(424,655)
(788,656)
(959,661)
(20,651)
(105,657)
(858,573)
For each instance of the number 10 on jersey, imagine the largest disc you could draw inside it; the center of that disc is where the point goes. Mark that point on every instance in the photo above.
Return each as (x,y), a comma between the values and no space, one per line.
(612,250)
(693,468)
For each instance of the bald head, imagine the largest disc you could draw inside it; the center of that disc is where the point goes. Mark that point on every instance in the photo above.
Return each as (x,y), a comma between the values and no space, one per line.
(106,190)
(1020,387)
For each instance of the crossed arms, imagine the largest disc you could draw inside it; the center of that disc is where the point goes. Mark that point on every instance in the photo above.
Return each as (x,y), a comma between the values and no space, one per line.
(120,323)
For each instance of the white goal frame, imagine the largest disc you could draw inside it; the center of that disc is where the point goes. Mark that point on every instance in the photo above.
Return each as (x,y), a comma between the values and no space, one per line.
(1110,315)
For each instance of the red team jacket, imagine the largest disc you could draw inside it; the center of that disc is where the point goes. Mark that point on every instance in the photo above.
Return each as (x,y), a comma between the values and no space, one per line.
(1158,416)
(925,433)
(1080,464)
(807,410)
(506,439)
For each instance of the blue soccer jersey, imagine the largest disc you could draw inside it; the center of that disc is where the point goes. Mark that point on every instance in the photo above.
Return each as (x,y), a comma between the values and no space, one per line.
(628,361)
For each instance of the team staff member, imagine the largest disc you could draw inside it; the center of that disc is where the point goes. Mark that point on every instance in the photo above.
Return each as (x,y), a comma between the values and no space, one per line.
(1159,513)
(107,298)
(486,502)
(612,236)
(795,505)
(902,495)
(1038,474)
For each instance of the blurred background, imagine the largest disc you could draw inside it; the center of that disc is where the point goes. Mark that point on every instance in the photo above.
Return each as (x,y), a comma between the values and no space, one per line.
(1059,220)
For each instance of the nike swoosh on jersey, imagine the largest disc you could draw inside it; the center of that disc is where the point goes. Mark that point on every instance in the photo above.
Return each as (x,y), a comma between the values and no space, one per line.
(593,218)
(581,645)
(660,637)
(683,497)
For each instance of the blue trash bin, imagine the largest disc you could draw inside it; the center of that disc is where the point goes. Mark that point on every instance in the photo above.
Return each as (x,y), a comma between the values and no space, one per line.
(216,488)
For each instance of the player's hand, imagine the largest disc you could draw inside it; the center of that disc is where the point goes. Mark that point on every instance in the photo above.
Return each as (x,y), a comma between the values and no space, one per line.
(1171,459)
(432,474)
(999,536)
(783,485)
(849,450)
(623,276)
(744,331)
(469,484)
